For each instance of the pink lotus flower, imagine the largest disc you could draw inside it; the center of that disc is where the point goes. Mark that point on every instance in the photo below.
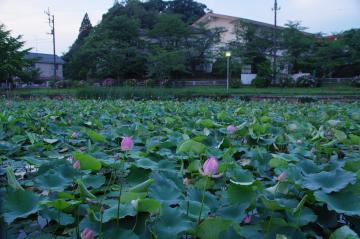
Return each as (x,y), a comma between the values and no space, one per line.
(87,234)
(282,177)
(76,165)
(211,168)
(247,219)
(231,129)
(127,144)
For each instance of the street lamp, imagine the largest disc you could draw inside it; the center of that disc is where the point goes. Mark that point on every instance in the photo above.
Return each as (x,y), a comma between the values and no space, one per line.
(228,55)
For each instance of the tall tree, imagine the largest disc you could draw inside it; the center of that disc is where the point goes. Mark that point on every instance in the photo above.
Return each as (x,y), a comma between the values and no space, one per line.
(12,57)
(73,63)
(253,44)
(298,46)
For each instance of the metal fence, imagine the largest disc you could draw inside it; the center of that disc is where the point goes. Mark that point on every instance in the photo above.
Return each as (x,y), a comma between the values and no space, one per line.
(200,83)
(338,80)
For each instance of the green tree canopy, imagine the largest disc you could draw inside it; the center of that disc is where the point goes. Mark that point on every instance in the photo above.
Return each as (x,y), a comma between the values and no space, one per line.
(12,57)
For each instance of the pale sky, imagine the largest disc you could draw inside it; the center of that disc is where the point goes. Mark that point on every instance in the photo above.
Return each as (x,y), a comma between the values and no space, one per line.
(27,18)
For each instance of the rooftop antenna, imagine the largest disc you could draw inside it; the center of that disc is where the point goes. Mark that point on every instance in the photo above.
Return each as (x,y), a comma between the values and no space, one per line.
(275,9)
(51,21)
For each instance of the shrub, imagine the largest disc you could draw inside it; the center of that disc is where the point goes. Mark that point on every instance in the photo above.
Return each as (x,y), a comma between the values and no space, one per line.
(306,81)
(285,80)
(235,83)
(260,81)
(263,78)
(130,83)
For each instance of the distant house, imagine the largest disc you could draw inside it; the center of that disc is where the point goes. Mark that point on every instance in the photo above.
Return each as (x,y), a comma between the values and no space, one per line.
(45,64)
(229,25)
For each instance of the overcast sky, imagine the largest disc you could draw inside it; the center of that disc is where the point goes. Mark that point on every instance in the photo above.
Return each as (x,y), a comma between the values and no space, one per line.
(26,17)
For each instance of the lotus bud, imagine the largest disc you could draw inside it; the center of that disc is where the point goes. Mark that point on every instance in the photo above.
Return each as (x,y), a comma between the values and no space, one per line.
(76,165)
(247,219)
(231,129)
(127,144)
(299,141)
(211,166)
(282,177)
(75,135)
(87,234)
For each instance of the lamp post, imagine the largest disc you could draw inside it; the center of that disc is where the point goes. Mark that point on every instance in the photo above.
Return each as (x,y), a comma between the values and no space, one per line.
(228,55)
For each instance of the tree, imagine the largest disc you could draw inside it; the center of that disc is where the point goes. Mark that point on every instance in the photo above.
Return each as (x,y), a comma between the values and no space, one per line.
(253,44)
(12,57)
(73,63)
(170,31)
(189,10)
(163,65)
(298,46)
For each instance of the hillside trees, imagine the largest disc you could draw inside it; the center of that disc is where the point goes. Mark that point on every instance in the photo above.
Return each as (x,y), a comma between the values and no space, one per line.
(138,40)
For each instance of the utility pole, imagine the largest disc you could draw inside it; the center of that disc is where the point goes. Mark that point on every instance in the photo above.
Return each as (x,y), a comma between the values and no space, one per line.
(51,20)
(275,9)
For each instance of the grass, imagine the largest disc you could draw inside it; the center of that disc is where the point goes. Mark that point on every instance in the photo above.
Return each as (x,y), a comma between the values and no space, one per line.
(186,92)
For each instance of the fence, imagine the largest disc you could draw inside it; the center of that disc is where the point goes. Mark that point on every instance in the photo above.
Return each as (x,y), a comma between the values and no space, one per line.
(200,83)
(338,80)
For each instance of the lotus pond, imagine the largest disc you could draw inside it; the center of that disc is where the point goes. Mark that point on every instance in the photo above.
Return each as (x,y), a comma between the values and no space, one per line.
(280,171)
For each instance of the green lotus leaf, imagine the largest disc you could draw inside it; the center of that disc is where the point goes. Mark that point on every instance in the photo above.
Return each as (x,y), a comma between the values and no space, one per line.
(354,139)
(19,204)
(166,187)
(344,232)
(87,162)
(148,205)
(119,233)
(84,192)
(94,181)
(234,212)
(244,195)
(11,179)
(58,216)
(303,217)
(142,187)
(192,208)
(329,182)
(146,164)
(52,180)
(340,135)
(172,222)
(59,204)
(124,210)
(240,176)
(212,227)
(191,146)
(95,137)
(342,202)
(207,123)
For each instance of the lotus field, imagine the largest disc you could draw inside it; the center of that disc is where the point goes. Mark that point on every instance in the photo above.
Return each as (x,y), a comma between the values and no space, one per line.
(167,169)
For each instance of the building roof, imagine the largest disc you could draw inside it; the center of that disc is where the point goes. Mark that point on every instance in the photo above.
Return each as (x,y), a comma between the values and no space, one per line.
(44,58)
(215,15)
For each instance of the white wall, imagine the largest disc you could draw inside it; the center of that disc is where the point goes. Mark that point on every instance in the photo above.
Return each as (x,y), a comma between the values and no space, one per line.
(246,79)
(47,70)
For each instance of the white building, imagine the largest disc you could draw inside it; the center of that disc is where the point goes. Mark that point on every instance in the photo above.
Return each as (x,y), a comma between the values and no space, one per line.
(45,64)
